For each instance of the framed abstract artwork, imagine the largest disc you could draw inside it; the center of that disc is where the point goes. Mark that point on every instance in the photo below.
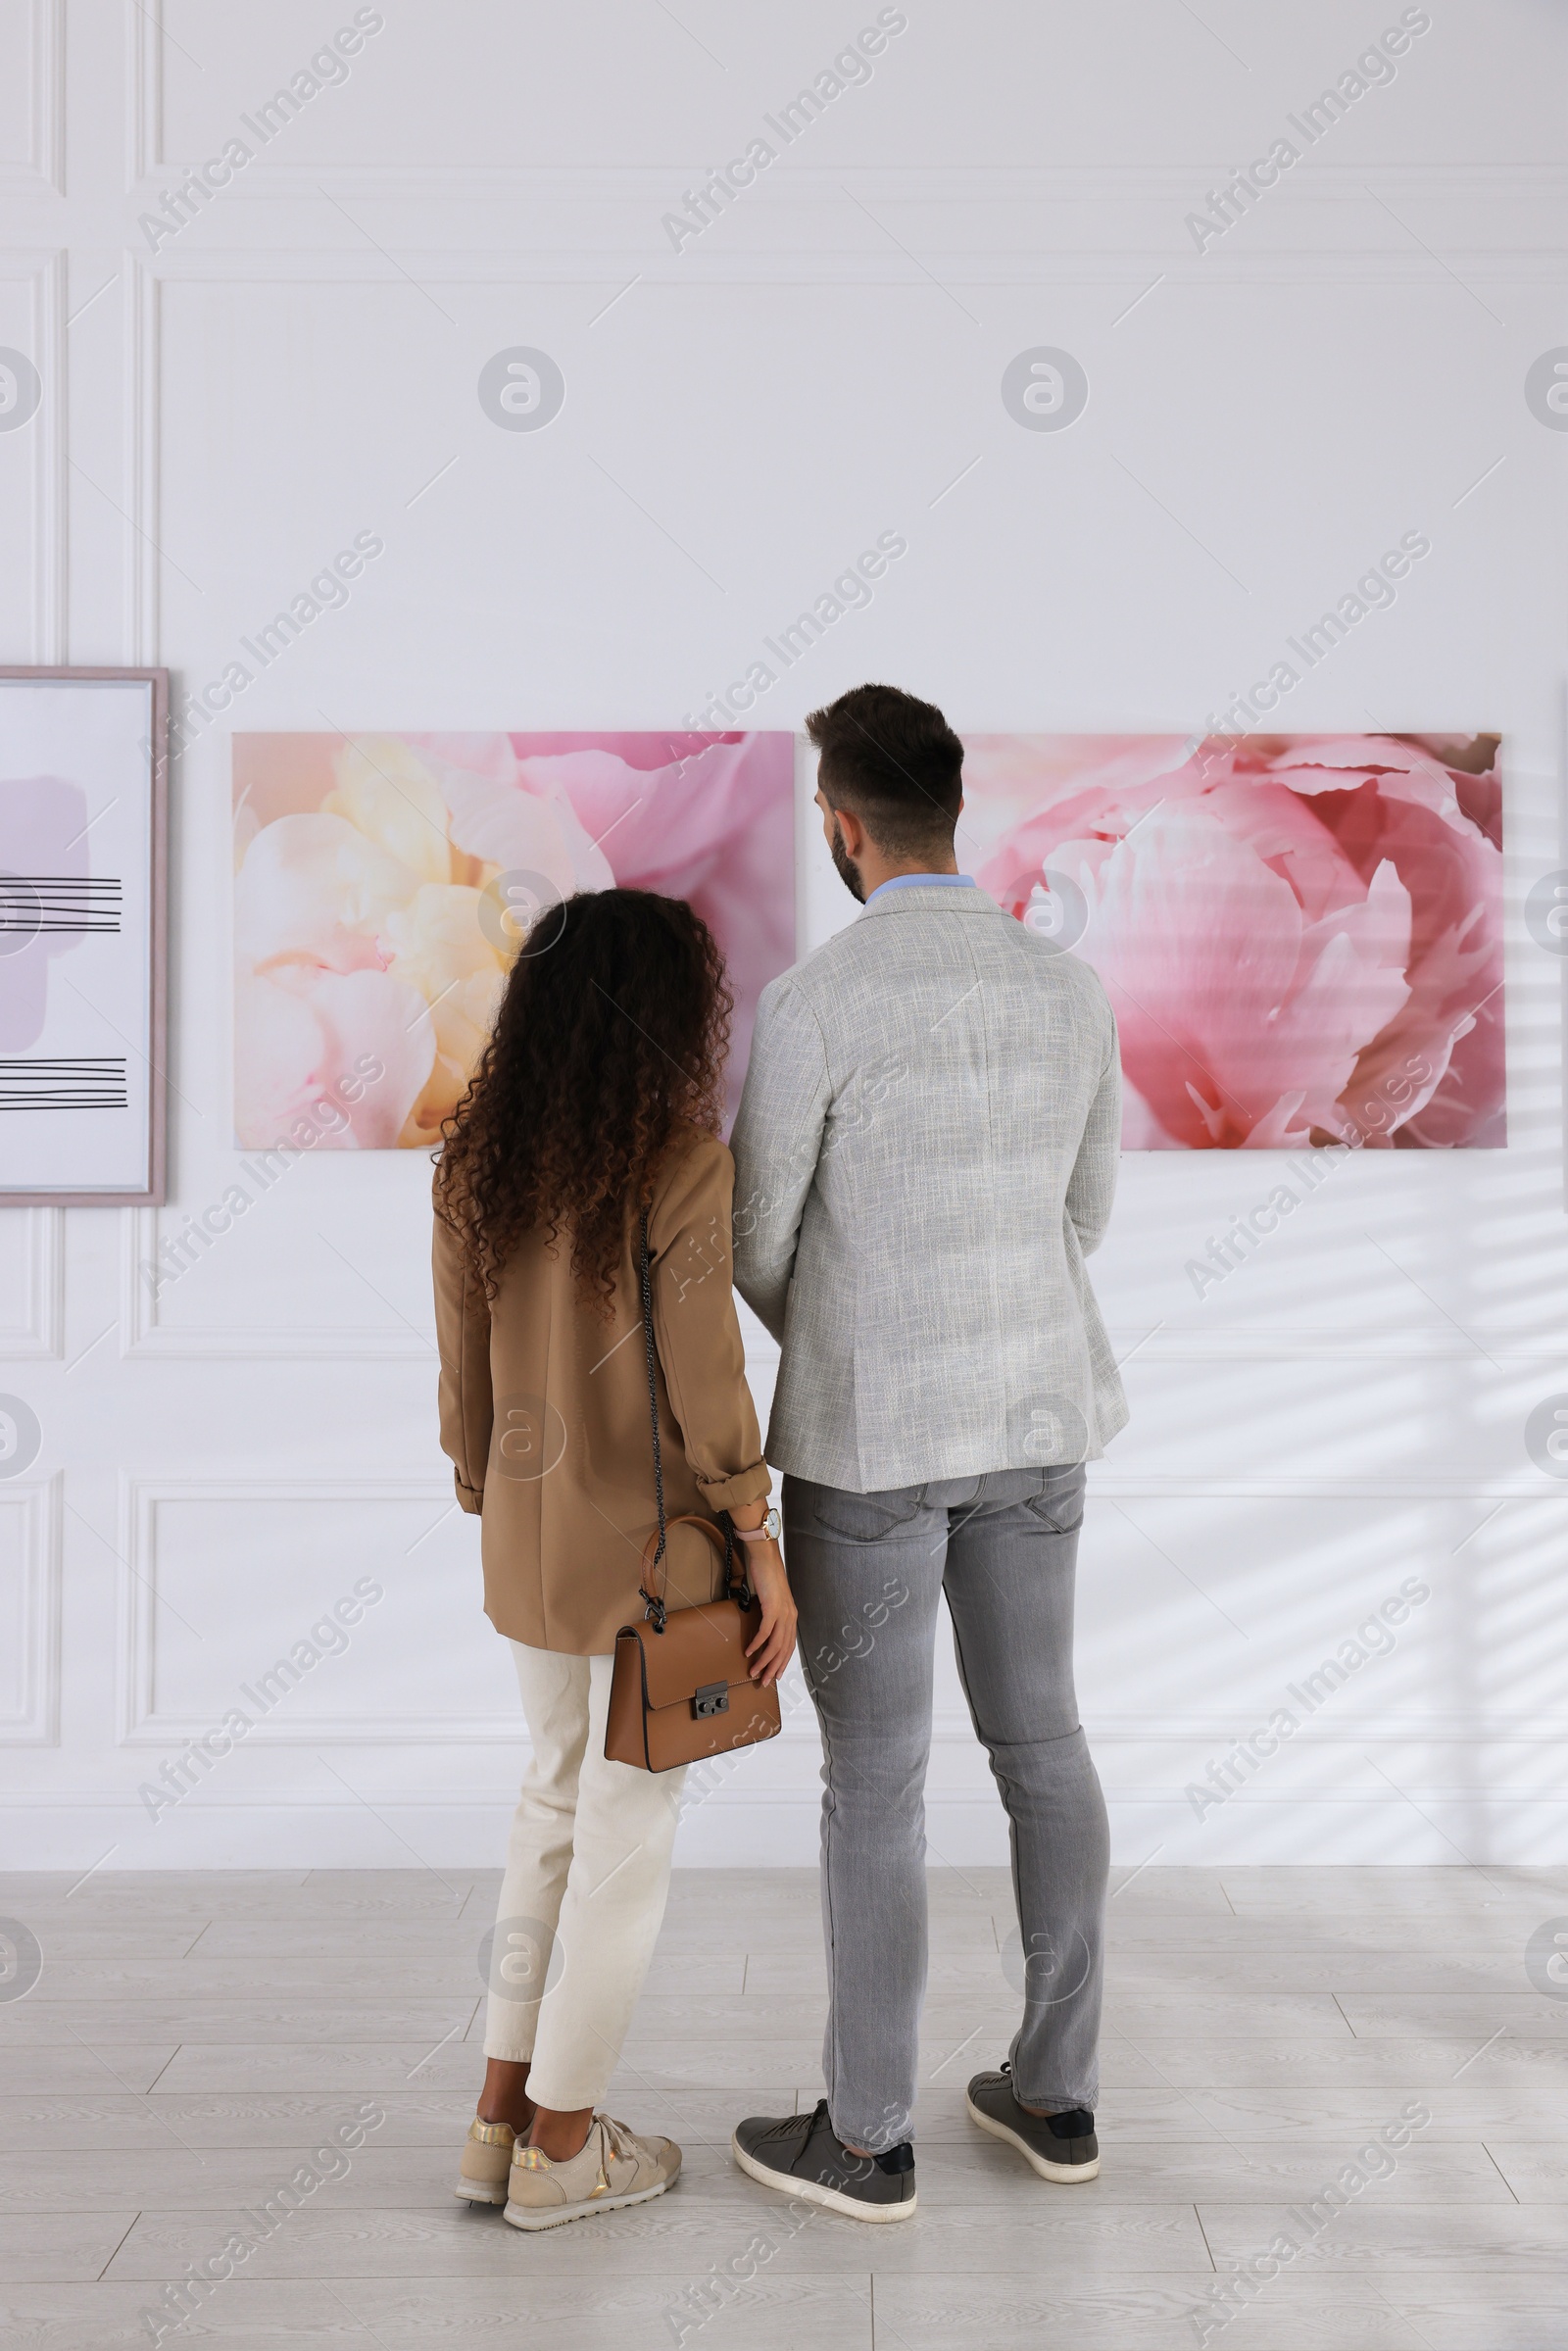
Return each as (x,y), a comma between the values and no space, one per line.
(1301,935)
(83,941)
(383,883)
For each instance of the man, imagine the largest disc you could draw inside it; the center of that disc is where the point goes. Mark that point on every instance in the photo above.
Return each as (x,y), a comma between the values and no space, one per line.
(925,1154)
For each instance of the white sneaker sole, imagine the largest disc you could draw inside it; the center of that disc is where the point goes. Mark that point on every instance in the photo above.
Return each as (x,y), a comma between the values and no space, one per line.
(1065,2175)
(812,2191)
(522,2216)
(479,2192)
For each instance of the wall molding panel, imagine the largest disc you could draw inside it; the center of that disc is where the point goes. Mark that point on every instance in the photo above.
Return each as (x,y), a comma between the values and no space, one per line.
(38,1334)
(36,1720)
(42,172)
(1122,268)
(141,460)
(43,272)
(143,1338)
(143,37)
(655,187)
(143,1721)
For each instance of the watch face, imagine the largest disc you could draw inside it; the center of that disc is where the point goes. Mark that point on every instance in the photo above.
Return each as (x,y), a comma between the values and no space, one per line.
(772,1523)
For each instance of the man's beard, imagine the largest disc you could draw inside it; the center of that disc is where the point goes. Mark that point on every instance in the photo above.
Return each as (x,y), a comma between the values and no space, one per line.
(849,873)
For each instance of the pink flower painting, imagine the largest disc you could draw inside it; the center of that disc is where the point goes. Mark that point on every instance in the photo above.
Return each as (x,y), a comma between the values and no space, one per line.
(382,884)
(1302,935)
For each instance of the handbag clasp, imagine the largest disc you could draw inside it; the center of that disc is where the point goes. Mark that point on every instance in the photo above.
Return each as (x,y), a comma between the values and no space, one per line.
(712,1699)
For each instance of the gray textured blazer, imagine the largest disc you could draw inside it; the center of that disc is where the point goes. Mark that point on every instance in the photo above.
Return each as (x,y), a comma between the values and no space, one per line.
(925,1154)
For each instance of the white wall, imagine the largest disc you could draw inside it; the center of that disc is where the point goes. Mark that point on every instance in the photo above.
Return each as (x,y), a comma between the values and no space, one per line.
(741,416)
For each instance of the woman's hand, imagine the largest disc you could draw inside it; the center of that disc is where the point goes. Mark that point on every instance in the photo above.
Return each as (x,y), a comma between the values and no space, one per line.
(774,1645)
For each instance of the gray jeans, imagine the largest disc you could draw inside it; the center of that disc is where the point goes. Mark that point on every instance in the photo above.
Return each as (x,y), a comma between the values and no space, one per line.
(867,1570)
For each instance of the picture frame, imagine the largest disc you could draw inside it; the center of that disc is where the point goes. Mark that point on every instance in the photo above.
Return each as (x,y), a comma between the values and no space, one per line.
(83,936)
(384,882)
(1300,934)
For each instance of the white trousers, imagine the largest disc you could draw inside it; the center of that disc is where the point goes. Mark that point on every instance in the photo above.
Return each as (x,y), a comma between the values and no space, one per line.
(583,1897)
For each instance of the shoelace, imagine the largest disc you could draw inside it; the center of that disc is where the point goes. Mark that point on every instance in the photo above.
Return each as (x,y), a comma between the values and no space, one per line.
(617,2142)
(790,2124)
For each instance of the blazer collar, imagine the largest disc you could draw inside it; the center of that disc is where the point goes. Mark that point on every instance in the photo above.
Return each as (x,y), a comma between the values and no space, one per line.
(933,898)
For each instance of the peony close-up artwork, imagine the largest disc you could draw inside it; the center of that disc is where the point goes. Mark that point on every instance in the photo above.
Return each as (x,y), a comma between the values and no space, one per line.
(1301,935)
(383,884)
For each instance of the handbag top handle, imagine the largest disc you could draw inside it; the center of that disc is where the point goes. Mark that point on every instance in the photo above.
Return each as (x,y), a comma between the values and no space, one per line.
(655,1571)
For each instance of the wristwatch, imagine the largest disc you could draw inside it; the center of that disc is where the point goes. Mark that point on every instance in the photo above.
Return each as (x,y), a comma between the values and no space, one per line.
(767,1531)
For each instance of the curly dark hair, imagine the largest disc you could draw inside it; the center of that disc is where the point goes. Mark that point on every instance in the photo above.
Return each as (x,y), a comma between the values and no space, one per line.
(611,1036)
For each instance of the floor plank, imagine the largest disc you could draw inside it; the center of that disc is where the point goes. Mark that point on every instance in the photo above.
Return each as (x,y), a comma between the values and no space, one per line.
(103,2024)
(1377,2231)
(522,2314)
(129,2067)
(1537,2171)
(65,2248)
(676,2237)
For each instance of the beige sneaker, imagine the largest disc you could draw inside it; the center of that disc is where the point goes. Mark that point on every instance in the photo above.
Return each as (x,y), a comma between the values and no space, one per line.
(486,2161)
(613,2169)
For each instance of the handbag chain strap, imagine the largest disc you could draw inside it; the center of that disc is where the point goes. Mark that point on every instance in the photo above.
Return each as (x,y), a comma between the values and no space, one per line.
(736,1584)
(656,1607)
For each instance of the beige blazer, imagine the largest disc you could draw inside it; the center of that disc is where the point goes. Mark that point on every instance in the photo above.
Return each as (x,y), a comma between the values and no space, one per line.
(544,1409)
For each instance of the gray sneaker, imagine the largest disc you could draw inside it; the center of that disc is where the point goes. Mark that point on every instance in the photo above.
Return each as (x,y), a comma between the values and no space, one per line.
(1059,2146)
(802,2154)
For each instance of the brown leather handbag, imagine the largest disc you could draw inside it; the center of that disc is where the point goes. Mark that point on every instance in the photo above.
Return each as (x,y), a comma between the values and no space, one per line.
(681,1688)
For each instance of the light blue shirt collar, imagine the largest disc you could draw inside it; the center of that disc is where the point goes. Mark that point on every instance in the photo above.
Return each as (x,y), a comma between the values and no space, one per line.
(924,881)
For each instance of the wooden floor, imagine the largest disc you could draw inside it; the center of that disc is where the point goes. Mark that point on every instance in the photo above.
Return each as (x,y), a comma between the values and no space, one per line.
(193,2039)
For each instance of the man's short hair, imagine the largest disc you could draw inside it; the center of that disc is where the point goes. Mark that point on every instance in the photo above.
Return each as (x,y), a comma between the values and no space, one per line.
(895,762)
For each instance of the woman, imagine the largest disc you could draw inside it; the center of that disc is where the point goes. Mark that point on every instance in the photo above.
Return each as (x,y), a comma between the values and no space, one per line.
(597,1101)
